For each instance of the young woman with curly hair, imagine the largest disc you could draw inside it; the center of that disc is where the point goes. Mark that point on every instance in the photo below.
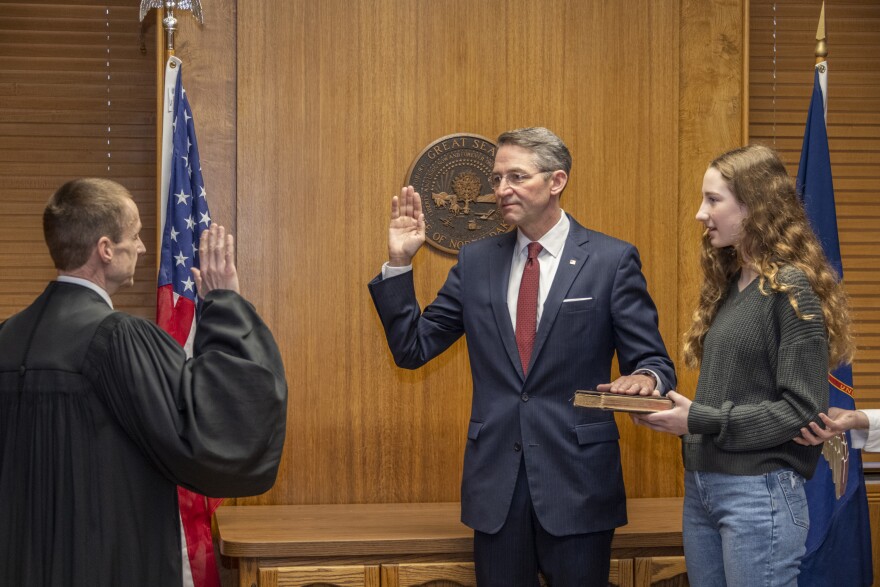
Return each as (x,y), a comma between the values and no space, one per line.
(771,319)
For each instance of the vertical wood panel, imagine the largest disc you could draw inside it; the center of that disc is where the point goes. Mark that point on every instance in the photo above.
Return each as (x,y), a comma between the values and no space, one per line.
(208,53)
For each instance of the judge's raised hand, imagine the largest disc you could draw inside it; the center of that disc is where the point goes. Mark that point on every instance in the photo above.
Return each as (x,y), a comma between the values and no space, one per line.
(216,261)
(406,232)
(837,421)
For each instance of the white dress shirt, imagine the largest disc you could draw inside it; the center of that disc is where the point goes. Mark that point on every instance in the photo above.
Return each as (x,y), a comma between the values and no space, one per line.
(552,242)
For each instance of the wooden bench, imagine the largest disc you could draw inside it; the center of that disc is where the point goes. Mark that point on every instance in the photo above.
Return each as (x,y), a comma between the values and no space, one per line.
(397,545)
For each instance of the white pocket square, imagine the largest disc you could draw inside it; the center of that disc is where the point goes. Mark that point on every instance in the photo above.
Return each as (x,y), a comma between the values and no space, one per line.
(576,300)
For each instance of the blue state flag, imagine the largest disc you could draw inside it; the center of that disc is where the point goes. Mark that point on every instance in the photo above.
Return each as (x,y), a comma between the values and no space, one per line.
(839,543)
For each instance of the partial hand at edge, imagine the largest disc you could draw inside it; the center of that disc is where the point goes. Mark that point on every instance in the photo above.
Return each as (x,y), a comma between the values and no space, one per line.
(217,262)
(836,422)
(406,231)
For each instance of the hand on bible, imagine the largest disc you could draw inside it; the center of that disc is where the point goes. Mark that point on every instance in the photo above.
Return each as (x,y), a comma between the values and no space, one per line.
(637,384)
(216,262)
(674,421)
(406,233)
(837,421)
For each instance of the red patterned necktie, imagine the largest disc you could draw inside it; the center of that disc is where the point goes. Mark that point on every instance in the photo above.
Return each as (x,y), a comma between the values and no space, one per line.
(527,306)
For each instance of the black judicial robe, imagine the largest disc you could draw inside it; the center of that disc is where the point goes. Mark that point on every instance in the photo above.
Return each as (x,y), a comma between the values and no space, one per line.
(101,415)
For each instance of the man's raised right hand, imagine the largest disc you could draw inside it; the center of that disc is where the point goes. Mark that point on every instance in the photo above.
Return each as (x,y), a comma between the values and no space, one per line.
(406,232)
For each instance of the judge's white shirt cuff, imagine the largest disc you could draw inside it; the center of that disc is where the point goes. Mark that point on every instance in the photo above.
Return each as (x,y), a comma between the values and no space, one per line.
(869,439)
(389,271)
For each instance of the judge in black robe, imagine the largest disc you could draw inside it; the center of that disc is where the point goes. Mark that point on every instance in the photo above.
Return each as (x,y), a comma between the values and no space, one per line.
(102,415)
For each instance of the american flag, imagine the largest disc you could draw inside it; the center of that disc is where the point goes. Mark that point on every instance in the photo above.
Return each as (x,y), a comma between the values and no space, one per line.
(185,216)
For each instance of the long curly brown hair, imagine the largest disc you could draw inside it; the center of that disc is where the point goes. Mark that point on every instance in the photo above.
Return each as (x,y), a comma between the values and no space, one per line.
(775,233)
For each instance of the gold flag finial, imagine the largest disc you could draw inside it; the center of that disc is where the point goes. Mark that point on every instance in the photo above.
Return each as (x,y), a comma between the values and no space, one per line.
(170,21)
(821,45)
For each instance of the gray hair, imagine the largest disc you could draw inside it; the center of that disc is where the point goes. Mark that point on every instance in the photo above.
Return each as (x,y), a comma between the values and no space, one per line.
(549,150)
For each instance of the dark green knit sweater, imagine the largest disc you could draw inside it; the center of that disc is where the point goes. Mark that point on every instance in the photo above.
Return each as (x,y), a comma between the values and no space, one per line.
(764,375)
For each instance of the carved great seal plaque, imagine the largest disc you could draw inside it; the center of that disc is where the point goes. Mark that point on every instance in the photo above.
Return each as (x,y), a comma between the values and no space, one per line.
(451,176)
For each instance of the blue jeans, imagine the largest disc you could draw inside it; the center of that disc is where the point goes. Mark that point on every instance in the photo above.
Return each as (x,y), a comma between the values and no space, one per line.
(744,531)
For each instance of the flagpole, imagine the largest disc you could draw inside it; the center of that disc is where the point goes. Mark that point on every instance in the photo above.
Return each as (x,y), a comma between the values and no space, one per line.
(166,49)
(160,103)
(834,448)
(821,44)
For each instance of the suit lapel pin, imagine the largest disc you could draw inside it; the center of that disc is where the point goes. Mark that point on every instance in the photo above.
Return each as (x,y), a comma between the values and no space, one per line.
(572,262)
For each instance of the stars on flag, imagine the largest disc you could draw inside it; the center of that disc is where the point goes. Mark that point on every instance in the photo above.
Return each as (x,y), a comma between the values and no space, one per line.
(180,241)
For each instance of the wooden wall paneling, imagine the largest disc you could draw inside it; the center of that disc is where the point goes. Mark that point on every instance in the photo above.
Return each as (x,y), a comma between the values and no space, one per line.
(334,101)
(76,83)
(323,146)
(641,174)
(208,53)
(778,117)
(711,121)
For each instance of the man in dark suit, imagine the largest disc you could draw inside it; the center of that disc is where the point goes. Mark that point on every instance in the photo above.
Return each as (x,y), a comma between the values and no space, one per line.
(542,484)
